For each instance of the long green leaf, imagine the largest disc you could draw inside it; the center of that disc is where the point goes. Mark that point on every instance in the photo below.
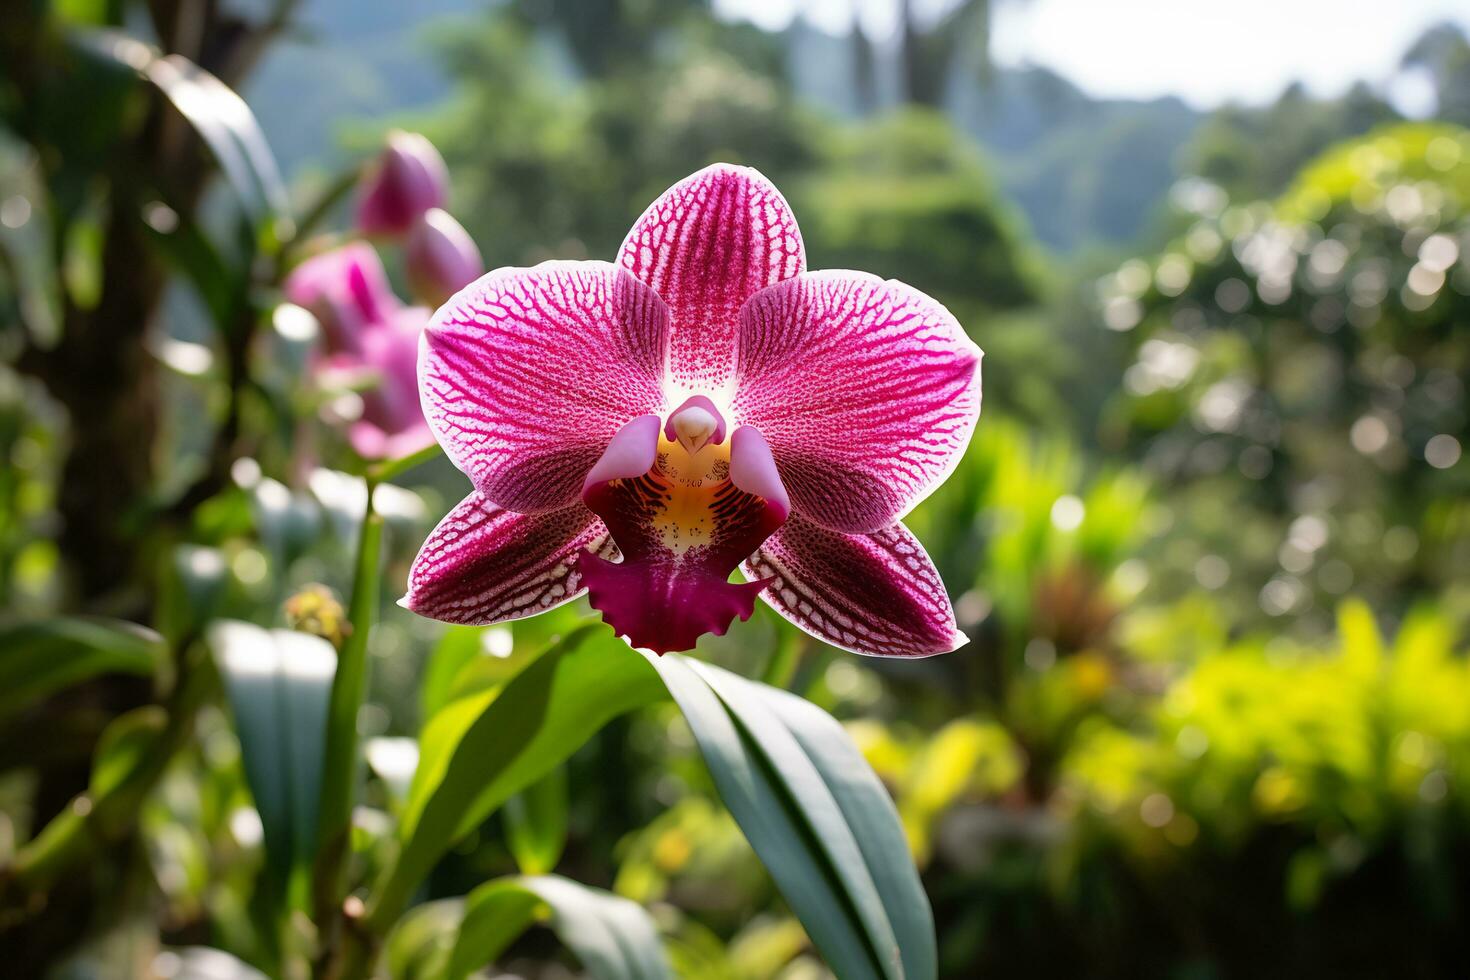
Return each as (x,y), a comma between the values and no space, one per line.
(613,937)
(536,823)
(420,944)
(484,747)
(815,815)
(220,117)
(493,916)
(41,657)
(870,813)
(341,764)
(124,746)
(278,683)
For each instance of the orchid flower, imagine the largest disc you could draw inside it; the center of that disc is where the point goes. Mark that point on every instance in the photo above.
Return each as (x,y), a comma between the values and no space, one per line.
(635,431)
(369,337)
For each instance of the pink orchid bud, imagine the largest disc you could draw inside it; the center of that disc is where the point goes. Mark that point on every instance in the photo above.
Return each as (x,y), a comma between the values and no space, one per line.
(346,289)
(409,179)
(441,258)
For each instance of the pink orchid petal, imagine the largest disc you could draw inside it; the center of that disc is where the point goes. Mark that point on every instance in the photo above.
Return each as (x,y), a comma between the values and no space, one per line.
(526,375)
(866,390)
(681,526)
(753,469)
(706,245)
(630,453)
(391,350)
(485,565)
(372,442)
(876,594)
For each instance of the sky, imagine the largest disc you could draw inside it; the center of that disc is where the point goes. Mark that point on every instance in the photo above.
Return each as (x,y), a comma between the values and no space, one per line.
(1204,51)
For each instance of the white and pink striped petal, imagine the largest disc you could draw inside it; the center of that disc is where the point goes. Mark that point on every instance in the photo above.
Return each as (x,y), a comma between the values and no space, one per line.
(485,565)
(705,246)
(867,391)
(526,374)
(875,594)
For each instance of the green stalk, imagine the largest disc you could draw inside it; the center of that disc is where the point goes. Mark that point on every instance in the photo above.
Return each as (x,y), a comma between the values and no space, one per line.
(341,765)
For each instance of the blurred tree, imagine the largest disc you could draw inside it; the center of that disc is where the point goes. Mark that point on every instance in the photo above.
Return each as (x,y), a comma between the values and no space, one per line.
(102,175)
(1255,152)
(1300,378)
(1444,51)
(931,52)
(605,37)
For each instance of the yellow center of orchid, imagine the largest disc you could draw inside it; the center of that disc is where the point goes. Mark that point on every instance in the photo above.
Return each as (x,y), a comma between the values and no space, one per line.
(691,472)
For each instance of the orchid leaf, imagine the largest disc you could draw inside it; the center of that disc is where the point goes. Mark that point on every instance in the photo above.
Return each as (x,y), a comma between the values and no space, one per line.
(217,113)
(39,658)
(123,746)
(278,683)
(817,817)
(480,749)
(419,946)
(614,938)
(536,823)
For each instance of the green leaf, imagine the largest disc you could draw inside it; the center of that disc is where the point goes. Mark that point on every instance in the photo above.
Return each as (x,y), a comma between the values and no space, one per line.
(457,647)
(817,817)
(220,117)
(870,814)
(482,748)
(189,250)
(613,937)
(494,916)
(419,946)
(278,683)
(41,657)
(193,584)
(536,823)
(125,744)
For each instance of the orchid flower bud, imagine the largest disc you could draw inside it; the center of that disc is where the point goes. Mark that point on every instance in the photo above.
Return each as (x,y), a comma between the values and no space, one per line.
(410,178)
(441,258)
(346,289)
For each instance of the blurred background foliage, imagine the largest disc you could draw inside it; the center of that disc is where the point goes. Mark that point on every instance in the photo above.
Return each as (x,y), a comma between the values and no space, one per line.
(1210,541)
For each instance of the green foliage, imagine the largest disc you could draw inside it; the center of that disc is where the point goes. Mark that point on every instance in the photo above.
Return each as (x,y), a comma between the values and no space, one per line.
(612,937)
(536,823)
(278,684)
(42,657)
(1299,378)
(1257,152)
(1173,746)
(480,749)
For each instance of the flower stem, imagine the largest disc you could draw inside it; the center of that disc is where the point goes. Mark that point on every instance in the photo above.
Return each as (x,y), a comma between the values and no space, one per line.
(341,765)
(389,468)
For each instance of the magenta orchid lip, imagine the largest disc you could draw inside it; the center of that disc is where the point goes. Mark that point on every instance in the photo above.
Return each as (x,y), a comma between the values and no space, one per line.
(638,431)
